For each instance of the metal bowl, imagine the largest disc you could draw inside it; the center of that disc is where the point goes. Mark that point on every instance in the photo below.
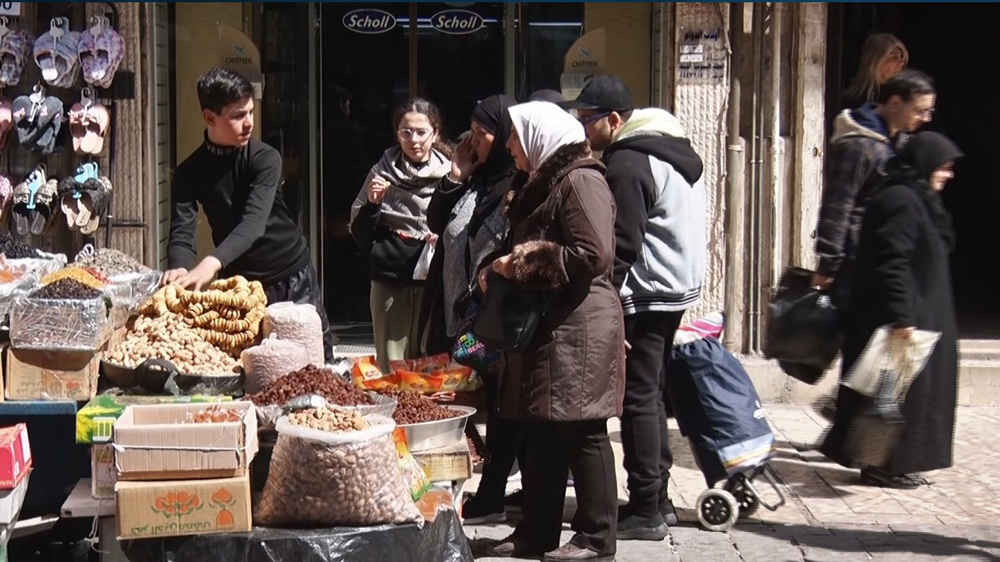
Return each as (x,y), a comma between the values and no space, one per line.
(441,433)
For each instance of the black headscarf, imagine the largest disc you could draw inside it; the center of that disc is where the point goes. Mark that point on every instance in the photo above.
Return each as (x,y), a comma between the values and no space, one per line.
(913,165)
(492,177)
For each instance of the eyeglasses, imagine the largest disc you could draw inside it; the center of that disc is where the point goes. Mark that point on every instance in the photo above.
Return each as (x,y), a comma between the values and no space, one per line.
(593,118)
(418,135)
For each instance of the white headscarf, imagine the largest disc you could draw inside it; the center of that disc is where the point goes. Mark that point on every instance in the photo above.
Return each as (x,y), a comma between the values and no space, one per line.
(544,128)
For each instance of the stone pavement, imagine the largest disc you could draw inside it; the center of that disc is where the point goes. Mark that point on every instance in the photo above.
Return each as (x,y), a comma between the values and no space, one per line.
(829,514)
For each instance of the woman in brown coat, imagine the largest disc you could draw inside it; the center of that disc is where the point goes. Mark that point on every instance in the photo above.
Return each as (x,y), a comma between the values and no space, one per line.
(572,379)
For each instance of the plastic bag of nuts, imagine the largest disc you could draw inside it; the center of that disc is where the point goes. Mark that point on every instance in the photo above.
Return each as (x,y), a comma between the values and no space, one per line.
(319,478)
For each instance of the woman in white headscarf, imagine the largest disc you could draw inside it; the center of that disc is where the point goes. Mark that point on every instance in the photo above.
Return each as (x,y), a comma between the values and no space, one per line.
(571,379)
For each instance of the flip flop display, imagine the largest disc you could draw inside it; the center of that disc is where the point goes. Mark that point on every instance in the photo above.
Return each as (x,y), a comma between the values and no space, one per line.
(94,199)
(24,203)
(15,49)
(6,196)
(6,122)
(45,208)
(38,120)
(57,54)
(88,123)
(101,50)
(71,191)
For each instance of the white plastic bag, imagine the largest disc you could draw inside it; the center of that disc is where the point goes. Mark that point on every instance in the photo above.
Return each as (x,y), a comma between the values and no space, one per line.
(423,267)
(885,353)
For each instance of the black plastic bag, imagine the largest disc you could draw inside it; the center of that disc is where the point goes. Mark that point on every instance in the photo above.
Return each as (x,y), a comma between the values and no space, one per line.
(803,333)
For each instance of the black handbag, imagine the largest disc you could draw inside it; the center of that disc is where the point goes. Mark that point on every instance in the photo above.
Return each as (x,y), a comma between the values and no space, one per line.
(509,315)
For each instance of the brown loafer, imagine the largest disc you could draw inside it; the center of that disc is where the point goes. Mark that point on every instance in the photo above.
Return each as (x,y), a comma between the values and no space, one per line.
(571,552)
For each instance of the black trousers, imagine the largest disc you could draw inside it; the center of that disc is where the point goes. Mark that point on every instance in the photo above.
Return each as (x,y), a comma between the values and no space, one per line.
(644,414)
(504,443)
(303,288)
(552,449)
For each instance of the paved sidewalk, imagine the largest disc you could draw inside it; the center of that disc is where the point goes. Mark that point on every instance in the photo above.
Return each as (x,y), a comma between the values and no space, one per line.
(830,515)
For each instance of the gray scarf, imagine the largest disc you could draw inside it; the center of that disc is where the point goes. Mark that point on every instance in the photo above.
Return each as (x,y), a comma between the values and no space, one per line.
(404,207)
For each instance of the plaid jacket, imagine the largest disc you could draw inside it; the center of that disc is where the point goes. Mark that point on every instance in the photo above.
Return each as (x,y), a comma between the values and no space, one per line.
(859,149)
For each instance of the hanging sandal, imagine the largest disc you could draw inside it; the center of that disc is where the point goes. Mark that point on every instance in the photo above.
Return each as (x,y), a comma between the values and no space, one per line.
(6,197)
(94,197)
(71,191)
(101,50)
(88,123)
(44,207)
(6,122)
(50,118)
(25,110)
(24,200)
(56,53)
(15,49)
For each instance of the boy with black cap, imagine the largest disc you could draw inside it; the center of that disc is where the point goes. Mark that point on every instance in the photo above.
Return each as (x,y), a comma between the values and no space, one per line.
(235,179)
(658,185)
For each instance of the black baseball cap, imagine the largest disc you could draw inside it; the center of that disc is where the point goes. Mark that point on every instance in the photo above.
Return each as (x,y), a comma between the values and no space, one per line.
(603,92)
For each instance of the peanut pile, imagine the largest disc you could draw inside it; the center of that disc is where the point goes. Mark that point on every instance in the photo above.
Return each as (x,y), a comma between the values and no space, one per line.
(312,380)
(171,339)
(329,419)
(414,408)
(216,414)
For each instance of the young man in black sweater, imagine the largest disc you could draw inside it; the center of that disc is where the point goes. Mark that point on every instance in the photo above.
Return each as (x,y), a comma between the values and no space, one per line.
(236,179)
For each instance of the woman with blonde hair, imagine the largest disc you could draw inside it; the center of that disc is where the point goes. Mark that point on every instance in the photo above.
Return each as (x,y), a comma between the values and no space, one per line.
(882,56)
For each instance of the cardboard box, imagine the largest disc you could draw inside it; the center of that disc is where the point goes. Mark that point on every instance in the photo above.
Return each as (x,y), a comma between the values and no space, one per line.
(52,375)
(183,507)
(15,455)
(12,500)
(102,472)
(160,442)
(96,420)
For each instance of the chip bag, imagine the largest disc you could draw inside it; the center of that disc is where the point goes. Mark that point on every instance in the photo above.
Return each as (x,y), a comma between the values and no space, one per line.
(413,475)
(366,374)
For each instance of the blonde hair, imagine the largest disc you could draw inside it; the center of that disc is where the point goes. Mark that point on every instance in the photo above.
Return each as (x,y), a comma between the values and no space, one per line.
(875,51)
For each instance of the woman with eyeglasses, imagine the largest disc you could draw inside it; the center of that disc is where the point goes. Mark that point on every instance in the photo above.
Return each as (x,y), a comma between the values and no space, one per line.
(389,219)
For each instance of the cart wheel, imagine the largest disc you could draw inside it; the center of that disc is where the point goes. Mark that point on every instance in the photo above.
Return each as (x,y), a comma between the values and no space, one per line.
(717,510)
(748,501)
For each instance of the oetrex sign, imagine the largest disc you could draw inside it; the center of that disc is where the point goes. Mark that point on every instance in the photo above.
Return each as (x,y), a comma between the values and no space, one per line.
(457,22)
(369,22)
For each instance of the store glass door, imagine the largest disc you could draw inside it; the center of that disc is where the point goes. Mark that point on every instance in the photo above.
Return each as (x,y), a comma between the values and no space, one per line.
(375,57)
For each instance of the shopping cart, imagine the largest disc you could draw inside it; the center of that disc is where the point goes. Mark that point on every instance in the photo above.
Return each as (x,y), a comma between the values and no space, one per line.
(718,410)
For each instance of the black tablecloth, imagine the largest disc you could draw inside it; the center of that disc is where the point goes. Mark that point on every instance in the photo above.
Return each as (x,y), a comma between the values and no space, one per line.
(441,540)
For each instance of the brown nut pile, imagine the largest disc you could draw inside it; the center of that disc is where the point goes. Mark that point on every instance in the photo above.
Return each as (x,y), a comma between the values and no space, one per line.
(312,380)
(414,408)
(227,315)
(69,289)
(171,339)
(216,414)
(320,483)
(329,419)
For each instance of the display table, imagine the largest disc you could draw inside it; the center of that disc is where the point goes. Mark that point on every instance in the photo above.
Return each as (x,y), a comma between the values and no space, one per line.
(441,540)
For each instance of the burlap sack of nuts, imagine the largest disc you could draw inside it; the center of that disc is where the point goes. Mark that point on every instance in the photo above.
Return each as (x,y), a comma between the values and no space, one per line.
(318,478)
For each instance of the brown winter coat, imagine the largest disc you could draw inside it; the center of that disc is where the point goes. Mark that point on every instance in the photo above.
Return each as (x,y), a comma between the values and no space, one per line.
(562,240)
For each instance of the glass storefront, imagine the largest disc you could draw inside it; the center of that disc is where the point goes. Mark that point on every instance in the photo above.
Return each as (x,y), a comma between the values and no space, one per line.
(333,74)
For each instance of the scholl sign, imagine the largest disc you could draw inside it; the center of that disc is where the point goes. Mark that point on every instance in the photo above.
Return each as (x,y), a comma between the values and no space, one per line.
(457,22)
(369,22)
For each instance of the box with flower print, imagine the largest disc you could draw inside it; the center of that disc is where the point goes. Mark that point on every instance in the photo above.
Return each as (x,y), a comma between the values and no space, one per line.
(183,507)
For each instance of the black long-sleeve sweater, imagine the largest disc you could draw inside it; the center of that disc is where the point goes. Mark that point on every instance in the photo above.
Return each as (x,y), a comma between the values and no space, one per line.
(253,230)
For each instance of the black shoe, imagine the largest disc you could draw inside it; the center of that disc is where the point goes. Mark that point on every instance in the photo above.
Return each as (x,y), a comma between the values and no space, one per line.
(878,477)
(570,552)
(512,547)
(634,528)
(667,511)
(479,512)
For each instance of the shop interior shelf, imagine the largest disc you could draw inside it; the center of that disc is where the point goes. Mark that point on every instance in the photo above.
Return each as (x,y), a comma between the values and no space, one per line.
(39,408)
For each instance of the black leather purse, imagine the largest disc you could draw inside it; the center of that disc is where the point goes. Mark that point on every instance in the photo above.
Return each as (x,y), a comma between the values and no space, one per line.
(509,315)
